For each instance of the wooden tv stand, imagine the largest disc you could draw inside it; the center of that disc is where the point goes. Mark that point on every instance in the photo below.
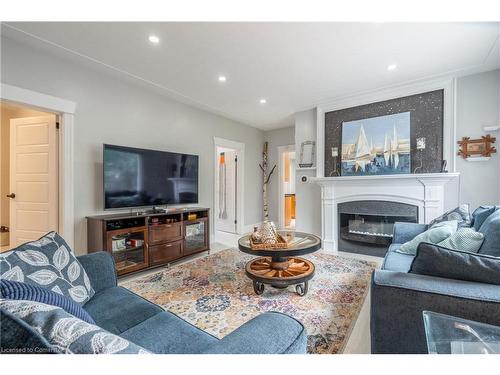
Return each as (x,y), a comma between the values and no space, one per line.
(139,241)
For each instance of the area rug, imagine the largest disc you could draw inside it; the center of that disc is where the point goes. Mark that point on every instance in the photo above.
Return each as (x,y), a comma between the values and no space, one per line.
(214,294)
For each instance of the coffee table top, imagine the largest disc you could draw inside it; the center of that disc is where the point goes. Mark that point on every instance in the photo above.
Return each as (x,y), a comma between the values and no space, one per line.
(300,243)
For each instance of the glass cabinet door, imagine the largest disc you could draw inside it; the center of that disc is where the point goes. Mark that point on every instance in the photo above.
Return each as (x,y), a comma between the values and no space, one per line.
(195,236)
(128,249)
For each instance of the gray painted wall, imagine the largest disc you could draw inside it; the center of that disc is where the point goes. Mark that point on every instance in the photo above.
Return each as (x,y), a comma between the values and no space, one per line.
(276,138)
(111,109)
(478,105)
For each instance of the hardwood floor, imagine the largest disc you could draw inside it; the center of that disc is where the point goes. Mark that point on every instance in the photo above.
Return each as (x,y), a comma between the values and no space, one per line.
(359,340)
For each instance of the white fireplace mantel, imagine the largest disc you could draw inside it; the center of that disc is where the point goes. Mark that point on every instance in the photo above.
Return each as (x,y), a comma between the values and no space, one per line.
(426,191)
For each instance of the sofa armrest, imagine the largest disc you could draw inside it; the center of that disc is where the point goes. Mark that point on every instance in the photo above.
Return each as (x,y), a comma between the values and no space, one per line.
(100,268)
(268,333)
(404,232)
(398,300)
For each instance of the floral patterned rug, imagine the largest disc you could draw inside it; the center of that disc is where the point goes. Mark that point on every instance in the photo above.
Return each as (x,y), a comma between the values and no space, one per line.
(214,294)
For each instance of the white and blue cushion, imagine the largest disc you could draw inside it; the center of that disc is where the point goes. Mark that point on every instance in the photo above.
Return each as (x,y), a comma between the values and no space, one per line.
(66,333)
(50,263)
(461,214)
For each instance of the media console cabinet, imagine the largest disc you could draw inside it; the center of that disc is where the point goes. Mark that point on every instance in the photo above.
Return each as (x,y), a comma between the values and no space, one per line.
(138,241)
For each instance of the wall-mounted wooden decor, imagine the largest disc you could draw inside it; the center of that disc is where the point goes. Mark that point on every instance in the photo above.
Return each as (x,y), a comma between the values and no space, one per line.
(477,147)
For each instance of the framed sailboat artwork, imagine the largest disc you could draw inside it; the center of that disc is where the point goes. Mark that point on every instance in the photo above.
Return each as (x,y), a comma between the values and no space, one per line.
(376,145)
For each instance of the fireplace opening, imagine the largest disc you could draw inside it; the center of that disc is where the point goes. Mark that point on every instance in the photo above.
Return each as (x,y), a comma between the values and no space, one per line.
(366,227)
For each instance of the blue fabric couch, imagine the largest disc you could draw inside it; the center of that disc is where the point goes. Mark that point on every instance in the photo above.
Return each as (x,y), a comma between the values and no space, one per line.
(398,297)
(128,315)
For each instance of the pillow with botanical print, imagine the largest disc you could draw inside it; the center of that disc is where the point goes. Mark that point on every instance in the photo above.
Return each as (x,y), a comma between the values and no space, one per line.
(50,263)
(64,332)
(461,214)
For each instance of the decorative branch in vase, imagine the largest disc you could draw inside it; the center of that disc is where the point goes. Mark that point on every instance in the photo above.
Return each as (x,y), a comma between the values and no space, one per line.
(267,232)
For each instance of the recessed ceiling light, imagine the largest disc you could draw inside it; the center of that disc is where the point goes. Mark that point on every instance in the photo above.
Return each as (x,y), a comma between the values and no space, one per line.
(392,67)
(154,39)
(262,101)
(222,79)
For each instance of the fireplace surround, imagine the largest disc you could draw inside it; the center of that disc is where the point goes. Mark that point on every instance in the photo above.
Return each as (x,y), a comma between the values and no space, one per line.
(425,192)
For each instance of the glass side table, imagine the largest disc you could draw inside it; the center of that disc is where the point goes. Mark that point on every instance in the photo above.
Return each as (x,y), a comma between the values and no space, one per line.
(450,335)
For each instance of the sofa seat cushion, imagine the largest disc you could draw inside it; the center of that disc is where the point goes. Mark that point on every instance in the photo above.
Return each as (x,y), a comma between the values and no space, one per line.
(166,333)
(395,261)
(118,309)
(268,333)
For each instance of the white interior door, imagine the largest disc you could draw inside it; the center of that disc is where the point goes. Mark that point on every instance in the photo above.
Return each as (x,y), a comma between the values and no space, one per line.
(33,178)
(227,177)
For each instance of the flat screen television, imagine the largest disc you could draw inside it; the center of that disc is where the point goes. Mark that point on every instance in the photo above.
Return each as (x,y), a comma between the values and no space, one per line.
(135,177)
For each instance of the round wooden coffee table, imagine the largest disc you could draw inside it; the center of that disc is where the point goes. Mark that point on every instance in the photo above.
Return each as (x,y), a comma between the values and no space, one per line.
(282,267)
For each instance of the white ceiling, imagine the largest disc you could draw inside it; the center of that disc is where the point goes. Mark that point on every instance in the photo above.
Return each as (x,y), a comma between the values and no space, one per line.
(294,66)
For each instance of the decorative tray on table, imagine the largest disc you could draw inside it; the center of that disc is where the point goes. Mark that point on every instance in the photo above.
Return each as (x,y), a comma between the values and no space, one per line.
(281,243)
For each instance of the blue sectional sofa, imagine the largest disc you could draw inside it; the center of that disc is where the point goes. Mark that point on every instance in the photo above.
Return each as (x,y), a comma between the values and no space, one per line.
(399,295)
(128,315)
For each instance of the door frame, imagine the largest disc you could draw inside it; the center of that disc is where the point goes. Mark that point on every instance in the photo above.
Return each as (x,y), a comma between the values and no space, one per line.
(281,169)
(65,109)
(240,148)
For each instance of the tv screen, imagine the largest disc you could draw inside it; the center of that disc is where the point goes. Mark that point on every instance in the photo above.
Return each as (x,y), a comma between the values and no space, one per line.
(136,177)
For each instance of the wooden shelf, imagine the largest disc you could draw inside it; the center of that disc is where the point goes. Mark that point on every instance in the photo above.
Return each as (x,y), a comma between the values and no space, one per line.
(305,168)
(479,158)
(131,248)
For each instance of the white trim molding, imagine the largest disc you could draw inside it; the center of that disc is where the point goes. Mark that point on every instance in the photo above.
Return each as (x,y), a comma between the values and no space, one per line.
(426,191)
(36,99)
(66,110)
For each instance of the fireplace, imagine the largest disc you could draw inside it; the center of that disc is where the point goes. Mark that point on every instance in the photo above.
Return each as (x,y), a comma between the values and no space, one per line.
(365,227)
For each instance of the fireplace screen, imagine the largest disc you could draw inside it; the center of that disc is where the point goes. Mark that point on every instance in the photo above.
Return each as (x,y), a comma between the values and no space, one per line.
(374,229)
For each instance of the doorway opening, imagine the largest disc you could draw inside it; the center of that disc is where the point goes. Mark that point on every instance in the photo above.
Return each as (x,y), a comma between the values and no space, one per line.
(287,201)
(228,187)
(29,178)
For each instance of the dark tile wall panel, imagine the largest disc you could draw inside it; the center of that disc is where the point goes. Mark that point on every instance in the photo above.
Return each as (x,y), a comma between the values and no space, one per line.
(426,120)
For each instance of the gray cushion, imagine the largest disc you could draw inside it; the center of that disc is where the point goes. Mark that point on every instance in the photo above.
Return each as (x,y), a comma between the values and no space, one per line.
(166,333)
(288,337)
(395,261)
(65,333)
(491,231)
(480,214)
(50,263)
(118,309)
(433,260)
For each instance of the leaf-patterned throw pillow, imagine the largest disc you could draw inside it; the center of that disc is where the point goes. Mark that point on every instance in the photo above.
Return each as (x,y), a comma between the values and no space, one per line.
(50,263)
(66,333)
(461,214)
